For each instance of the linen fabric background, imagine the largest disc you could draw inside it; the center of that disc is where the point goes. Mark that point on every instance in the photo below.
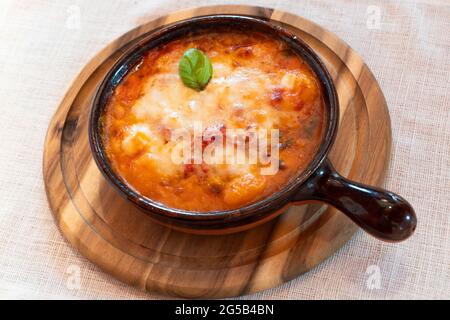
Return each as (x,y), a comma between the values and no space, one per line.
(42,49)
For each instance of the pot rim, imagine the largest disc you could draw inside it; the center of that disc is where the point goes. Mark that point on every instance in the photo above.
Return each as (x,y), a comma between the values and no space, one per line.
(163,34)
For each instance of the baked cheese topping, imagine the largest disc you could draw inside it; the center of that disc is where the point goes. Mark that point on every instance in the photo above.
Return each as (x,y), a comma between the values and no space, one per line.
(257,83)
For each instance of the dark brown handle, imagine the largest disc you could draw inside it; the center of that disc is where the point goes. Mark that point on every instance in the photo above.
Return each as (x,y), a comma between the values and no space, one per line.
(381,213)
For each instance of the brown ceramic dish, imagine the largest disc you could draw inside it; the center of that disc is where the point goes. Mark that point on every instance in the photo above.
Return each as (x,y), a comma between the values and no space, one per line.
(381,213)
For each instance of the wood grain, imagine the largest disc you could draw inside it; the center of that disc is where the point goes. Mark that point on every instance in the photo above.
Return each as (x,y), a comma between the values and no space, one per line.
(124,242)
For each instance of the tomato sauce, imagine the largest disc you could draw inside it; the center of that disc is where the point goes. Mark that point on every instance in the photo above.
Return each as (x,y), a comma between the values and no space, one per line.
(257,83)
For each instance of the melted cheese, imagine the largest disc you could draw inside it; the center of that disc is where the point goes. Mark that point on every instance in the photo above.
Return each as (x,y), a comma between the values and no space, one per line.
(252,87)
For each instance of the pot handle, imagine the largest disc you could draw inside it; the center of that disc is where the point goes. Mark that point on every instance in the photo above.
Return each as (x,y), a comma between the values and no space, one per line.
(381,213)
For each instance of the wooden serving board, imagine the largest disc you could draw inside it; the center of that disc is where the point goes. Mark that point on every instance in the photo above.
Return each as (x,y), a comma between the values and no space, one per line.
(124,242)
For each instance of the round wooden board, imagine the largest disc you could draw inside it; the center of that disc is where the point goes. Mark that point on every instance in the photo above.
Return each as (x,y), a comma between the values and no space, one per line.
(124,242)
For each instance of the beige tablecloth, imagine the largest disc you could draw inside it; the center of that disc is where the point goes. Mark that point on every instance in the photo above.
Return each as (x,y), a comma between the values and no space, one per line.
(44,44)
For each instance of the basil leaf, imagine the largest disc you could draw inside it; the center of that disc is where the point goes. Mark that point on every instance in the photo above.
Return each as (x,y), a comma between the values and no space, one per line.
(195,69)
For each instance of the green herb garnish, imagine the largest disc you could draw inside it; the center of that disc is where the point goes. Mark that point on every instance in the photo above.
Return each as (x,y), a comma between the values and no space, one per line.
(195,69)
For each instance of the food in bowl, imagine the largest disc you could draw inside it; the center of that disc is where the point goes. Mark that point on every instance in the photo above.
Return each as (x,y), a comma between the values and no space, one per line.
(257,83)
(140,107)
